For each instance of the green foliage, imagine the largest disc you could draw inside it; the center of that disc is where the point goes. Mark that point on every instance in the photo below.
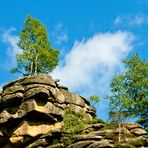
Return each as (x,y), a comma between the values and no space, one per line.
(118,101)
(137,142)
(55,141)
(36,54)
(94,99)
(130,92)
(109,125)
(95,120)
(67,140)
(73,122)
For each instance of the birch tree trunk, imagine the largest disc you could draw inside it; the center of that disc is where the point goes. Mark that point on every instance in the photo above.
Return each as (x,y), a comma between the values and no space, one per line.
(36,64)
(31,70)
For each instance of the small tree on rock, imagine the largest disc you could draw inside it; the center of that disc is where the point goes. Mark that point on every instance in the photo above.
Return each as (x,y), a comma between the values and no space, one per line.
(94,99)
(37,55)
(130,92)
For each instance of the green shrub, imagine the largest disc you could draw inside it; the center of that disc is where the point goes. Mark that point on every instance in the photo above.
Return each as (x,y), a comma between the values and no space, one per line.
(109,126)
(55,141)
(73,122)
(67,140)
(136,142)
(95,120)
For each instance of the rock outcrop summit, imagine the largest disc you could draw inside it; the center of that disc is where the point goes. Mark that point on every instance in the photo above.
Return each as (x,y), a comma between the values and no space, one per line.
(31,115)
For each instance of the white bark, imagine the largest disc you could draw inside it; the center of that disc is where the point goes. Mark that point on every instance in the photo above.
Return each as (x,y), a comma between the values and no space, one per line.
(31,71)
(36,64)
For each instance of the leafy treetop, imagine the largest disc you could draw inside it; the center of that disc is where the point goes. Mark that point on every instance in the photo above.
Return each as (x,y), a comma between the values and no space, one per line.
(36,54)
(130,91)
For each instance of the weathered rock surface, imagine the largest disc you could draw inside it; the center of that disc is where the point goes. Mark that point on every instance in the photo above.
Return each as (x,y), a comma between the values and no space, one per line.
(31,115)
(33,106)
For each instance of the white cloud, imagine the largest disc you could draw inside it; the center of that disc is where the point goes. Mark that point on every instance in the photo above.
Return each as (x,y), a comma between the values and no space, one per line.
(1,87)
(62,38)
(91,63)
(139,20)
(131,20)
(59,34)
(11,40)
(118,20)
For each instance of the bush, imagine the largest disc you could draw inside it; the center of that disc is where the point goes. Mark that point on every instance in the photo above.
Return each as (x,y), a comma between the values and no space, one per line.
(73,122)
(67,140)
(95,120)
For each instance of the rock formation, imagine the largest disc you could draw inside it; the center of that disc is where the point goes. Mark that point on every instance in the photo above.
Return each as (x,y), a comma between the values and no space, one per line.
(31,115)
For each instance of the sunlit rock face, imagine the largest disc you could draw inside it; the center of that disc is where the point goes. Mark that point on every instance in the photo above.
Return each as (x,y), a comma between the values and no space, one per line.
(31,116)
(31,107)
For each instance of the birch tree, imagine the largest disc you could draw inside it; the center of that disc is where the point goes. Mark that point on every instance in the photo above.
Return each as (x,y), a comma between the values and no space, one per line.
(37,55)
(130,92)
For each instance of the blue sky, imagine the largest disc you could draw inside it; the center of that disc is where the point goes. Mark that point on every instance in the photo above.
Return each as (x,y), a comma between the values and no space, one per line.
(93,37)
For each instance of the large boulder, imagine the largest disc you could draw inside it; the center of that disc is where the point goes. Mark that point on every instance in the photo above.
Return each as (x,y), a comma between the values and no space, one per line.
(34,106)
(31,115)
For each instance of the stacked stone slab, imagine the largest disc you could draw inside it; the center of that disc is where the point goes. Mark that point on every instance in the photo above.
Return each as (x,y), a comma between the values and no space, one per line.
(131,134)
(33,106)
(31,115)
(97,135)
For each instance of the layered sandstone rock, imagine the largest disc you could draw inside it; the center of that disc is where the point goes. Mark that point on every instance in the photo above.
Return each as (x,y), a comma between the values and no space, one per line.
(31,115)
(33,106)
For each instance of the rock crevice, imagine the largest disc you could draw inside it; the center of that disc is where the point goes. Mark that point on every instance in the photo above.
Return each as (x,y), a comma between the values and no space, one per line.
(33,106)
(31,115)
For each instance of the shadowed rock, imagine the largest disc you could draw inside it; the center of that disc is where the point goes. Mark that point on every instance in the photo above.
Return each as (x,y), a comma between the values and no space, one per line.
(31,115)
(34,106)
